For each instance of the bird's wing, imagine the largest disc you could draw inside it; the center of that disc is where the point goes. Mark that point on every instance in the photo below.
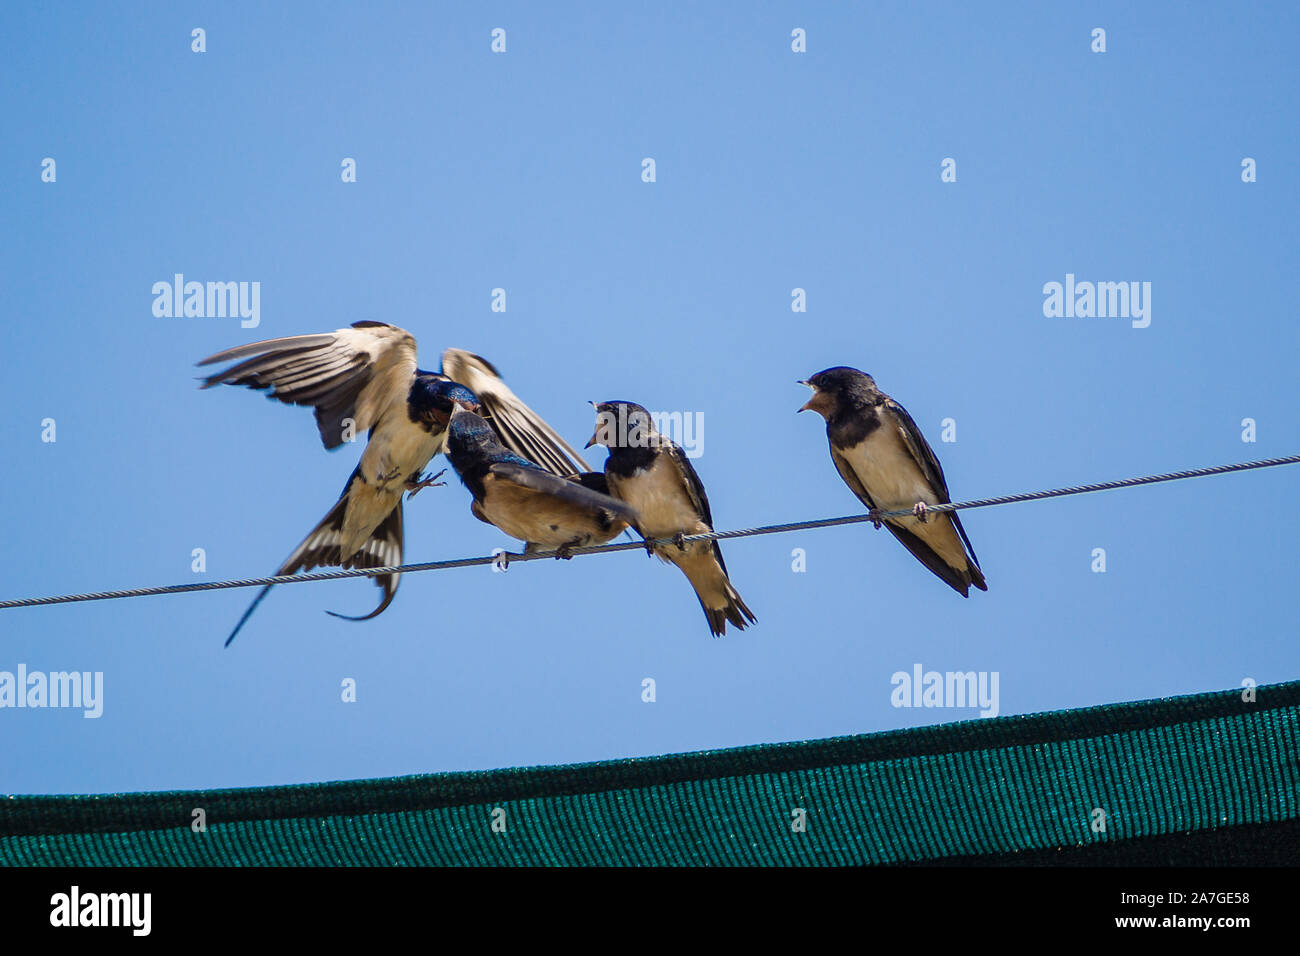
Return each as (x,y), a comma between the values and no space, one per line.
(357,373)
(920,449)
(930,467)
(914,543)
(695,489)
(595,480)
(929,557)
(570,492)
(520,428)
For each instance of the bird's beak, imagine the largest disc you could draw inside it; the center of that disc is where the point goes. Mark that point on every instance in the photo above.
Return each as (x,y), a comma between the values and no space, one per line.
(591,441)
(808,405)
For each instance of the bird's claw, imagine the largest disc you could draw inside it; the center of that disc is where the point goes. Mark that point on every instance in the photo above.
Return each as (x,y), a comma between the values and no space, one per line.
(875,521)
(564,552)
(424,482)
(919,510)
(649,547)
(679,539)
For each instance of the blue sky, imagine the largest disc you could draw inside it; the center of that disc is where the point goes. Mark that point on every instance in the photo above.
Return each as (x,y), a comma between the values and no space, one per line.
(774,171)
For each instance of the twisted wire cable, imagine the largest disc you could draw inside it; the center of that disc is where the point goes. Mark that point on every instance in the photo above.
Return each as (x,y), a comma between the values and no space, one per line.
(506,558)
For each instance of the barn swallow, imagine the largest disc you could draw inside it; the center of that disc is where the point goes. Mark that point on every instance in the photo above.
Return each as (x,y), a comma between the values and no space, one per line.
(365,379)
(525,501)
(885,460)
(651,473)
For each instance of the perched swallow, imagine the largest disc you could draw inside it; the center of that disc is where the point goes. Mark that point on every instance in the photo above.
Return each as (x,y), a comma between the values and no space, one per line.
(365,379)
(651,473)
(525,501)
(885,460)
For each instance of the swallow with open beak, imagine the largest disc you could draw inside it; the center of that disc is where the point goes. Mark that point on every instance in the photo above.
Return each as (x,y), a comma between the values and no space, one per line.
(885,460)
(365,379)
(651,473)
(527,502)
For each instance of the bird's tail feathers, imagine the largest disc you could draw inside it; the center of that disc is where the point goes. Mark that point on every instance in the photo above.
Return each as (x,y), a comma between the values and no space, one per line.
(959,579)
(734,610)
(321,548)
(718,597)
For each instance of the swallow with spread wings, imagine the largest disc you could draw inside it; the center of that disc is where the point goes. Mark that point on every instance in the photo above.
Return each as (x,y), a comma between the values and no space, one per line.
(365,379)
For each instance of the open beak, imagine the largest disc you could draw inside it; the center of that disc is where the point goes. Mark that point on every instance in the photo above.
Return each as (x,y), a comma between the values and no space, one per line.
(808,405)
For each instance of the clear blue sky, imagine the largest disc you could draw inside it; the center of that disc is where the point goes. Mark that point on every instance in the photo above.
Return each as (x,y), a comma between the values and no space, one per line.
(775,170)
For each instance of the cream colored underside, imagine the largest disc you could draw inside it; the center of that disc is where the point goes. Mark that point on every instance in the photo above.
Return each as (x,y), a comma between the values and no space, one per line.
(893,479)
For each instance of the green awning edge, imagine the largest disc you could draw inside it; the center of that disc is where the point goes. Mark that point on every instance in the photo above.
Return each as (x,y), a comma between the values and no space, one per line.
(128,812)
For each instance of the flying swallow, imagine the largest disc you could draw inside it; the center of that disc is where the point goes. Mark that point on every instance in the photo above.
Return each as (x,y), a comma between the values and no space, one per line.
(651,473)
(365,379)
(885,460)
(525,501)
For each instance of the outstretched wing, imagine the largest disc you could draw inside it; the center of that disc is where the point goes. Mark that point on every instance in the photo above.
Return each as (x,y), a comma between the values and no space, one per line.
(357,373)
(520,428)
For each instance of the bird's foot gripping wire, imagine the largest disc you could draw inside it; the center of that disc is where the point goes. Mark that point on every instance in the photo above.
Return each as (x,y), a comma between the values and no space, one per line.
(679,539)
(919,510)
(563,552)
(875,520)
(424,481)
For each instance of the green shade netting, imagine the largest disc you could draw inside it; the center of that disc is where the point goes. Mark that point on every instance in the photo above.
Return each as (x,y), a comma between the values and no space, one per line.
(1209,778)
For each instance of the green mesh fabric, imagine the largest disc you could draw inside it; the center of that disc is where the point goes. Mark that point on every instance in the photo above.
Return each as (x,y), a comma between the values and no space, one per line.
(1202,779)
